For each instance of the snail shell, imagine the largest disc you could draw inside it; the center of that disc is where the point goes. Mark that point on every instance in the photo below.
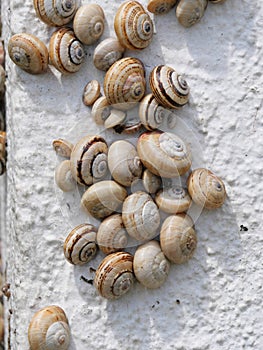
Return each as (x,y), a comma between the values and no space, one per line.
(151,182)
(65,51)
(88,23)
(124,164)
(100,110)
(107,52)
(2,165)
(189,12)
(103,198)
(2,53)
(160,7)
(133,26)
(91,92)
(206,189)
(150,266)
(3,147)
(28,53)
(164,154)
(62,147)
(49,329)
(114,276)
(56,12)
(168,87)
(80,245)
(140,216)
(88,161)
(112,236)
(124,83)
(115,118)
(2,80)
(173,200)
(63,177)
(178,238)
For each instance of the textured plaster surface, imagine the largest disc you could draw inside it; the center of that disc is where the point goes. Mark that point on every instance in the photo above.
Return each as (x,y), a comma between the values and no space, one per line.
(215,300)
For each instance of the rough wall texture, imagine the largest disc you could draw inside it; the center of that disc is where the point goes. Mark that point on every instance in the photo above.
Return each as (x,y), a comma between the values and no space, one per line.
(215,300)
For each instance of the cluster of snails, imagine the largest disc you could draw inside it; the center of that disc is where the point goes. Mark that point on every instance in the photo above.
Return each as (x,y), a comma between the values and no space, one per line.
(2,109)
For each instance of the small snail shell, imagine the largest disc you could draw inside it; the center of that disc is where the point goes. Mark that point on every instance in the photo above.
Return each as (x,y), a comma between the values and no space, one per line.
(189,12)
(62,147)
(100,110)
(63,177)
(164,154)
(178,238)
(107,52)
(103,198)
(173,200)
(123,161)
(65,51)
(56,12)
(112,236)
(140,216)
(160,7)
(114,277)
(124,83)
(168,87)
(206,189)
(80,245)
(151,182)
(150,266)
(131,127)
(91,92)
(133,26)
(88,161)
(28,53)
(2,80)
(88,23)
(49,329)
(115,118)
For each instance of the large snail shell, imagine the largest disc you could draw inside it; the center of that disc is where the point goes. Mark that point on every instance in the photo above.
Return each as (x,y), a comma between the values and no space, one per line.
(65,51)
(112,236)
(150,266)
(173,200)
(64,178)
(124,164)
(107,52)
(49,330)
(189,12)
(124,83)
(88,159)
(164,154)
(178,238)
(151,182)
(206,189)
(168,87)
(140,216)
(133,26)
(114,277)
(28,53)
(103,198)
(88,23)
(80,244)
(56,12)
(160,7)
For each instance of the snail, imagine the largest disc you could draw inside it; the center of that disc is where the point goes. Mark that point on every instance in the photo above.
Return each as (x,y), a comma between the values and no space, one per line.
(115,118)
(168,87)
(80,245)
(88,23)
(133,26)
(189,12)
(28,53)
(63,177)
(173,200)
(103,198)
(91,92)
(2,80)
(65,51)
(164,154)
(56,12)
(160,7)
(49,329)
(114,276)
(88,160)
(151,182)
(112,236)
(206,189)
(107,52)
(178,238)
(140,216)
(100,110)
(62,147)
(131,127)
(150,266)
(123,161)
(124,83)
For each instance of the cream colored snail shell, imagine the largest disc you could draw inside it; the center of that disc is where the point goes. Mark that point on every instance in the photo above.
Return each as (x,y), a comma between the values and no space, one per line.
(178,238)
(56,12)
(151,182)
(206,189)
(100,110)
(80,245)
(49,329)
(150,266)
(189,12)
(28,53)
(114,276)
(88,23)
(63,148)
(66,53)
(107,52)
(173,200)
(115,118)
(64,178)
(160,7)
(91,92)
(133,26)
(164,154)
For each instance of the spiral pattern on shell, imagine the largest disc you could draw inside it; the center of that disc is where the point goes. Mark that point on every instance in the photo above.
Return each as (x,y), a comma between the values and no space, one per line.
(173,200)
(189,12)
(160,7)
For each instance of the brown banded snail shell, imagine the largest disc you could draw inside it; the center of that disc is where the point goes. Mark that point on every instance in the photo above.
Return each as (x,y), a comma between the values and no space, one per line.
(64,178)
(62,147)
(173,200)
(206,189)
(114,277)
(189,12)
(91,92)
(107,52)
(160,7)
(28,53)
(100,110)
(49,329)
(151,182)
